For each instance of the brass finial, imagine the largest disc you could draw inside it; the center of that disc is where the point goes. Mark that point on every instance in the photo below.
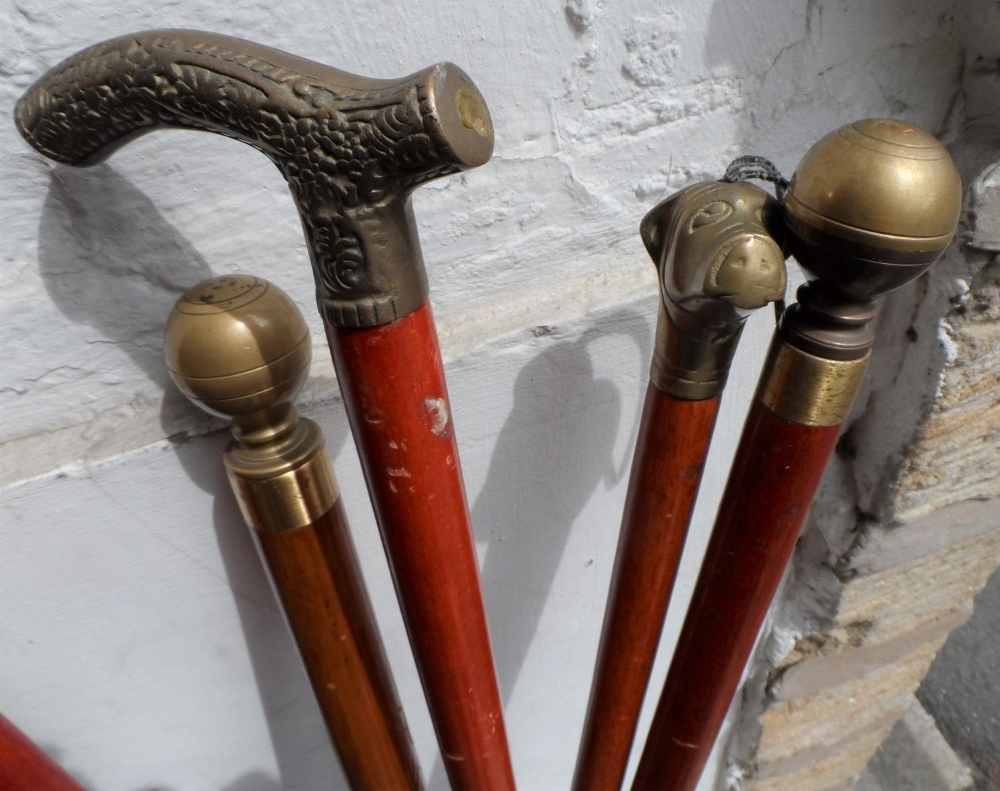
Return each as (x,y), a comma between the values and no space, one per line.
(871,207)
(238,347)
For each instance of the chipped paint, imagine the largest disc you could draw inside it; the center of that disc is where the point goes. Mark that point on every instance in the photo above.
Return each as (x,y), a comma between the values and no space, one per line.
(435,414)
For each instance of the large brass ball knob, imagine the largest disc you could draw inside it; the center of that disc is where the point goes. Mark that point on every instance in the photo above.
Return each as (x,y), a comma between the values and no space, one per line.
(871,207)
(237,345)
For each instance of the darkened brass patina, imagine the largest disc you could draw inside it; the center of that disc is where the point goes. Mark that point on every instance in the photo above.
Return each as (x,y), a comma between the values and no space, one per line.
(717,249)
(239,348)
(351,148)
(870,208)
(875,190)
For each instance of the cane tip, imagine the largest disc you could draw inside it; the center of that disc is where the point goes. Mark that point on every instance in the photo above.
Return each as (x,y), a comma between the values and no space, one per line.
(237,345)
(872,206)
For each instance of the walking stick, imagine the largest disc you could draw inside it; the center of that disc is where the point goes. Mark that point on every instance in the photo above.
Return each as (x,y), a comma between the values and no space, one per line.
(24,767)
(352,150)
(714,245)
(869,209)
(238,347)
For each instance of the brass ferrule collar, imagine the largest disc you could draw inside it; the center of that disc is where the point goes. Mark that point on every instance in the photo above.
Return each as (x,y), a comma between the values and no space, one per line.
(692,366)
(283,483)
(802,388)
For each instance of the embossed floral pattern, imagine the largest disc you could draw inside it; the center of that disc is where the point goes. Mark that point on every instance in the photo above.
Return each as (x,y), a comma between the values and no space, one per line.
(343,143)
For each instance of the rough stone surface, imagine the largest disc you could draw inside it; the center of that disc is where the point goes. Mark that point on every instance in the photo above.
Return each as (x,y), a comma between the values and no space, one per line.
(838,693)
(962,689)
(984,211)
(915,757)
(954,456)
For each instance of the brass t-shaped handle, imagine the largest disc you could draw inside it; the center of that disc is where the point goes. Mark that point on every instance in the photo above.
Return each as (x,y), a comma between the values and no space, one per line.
(351,148)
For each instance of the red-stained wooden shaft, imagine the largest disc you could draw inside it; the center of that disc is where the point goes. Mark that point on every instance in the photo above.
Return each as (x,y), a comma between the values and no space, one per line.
(673,441)
(394,390)
(24,767)
(775,474)
(316,573)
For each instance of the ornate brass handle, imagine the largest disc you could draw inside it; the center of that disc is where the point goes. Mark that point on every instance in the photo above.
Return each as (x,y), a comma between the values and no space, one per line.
(351,148)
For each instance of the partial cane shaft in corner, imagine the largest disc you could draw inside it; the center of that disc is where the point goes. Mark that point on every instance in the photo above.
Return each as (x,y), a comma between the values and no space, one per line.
(316,573)
(394,391)
(24,767)
(237,346)
(674,436)
(775,475)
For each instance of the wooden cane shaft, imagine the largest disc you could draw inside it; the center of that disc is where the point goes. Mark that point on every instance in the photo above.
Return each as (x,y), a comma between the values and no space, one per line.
(394,390)
(316,573)
(775,474)
(673,441)
(24,767)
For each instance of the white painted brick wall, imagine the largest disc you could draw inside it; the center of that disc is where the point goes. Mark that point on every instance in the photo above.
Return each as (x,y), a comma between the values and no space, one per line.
(139,641)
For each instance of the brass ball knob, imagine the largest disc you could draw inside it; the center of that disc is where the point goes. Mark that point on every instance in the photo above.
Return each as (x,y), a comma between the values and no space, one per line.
(237,345)
(872,206)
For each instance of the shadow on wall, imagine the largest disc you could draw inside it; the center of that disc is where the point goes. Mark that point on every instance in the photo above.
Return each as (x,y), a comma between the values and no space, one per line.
(305,757)
(110,260)
(306,760)
(554,450)
(556,447)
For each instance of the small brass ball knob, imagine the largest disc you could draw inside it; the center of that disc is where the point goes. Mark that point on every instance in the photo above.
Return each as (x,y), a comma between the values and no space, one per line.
(871,207)
(237,345)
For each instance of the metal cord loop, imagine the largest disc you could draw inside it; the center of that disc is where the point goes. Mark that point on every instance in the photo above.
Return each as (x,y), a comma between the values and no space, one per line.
(752,166)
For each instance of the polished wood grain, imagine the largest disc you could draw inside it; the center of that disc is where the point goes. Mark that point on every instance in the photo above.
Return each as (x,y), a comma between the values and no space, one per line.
(394,390)
(775,474)
(317,576)
(24,767)
(673,441)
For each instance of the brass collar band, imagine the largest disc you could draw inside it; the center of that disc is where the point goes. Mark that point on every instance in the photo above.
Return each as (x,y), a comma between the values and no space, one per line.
(809,390)
(691,366)
(283,485)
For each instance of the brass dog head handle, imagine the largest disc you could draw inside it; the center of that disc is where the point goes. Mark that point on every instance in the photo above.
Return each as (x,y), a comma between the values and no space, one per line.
(717,248)
(351,148)
(871,206)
